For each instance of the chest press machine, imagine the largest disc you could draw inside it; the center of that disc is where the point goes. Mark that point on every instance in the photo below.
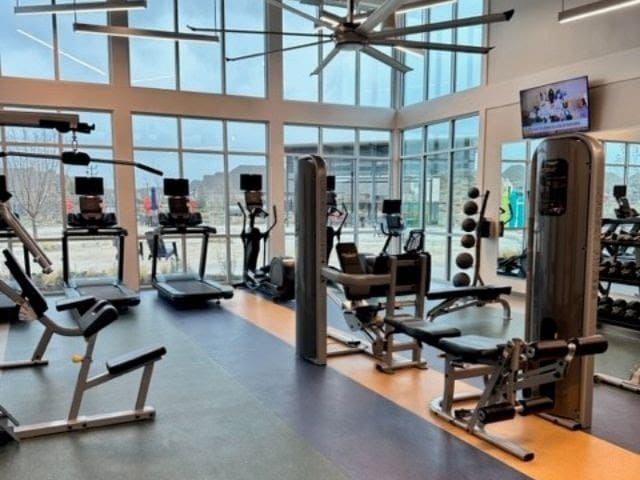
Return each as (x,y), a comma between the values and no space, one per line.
(551,371)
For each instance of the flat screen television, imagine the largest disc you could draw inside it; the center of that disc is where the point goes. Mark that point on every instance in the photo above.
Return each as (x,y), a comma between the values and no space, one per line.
(559,107)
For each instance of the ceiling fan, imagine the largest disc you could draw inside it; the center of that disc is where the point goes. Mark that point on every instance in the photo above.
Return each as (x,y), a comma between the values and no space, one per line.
(354,32)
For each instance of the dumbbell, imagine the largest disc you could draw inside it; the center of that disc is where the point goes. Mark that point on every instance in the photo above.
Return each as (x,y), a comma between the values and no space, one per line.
(614,269)
(604,267)
(624,237)
(619,307)
(605,305)
(631,315)
(628,270)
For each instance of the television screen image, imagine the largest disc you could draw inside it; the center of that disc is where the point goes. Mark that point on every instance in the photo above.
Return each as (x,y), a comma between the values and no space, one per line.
(560,107)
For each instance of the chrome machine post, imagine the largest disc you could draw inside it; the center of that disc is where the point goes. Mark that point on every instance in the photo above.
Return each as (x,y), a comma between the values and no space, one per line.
(565,211)
(311,238)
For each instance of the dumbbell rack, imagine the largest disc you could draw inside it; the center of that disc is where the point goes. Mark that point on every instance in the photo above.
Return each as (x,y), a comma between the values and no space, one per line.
(616,247)
(615,244)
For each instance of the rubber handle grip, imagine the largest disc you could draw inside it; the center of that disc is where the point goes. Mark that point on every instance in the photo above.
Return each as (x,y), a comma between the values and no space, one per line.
(591,345)
(496,413)
(547,349)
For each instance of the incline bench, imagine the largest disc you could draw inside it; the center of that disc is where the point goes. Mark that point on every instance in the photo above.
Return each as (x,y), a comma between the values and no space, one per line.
(95,315)
(457,298)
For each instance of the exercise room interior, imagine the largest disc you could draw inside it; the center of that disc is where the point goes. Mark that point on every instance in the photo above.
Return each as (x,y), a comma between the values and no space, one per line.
(269,238)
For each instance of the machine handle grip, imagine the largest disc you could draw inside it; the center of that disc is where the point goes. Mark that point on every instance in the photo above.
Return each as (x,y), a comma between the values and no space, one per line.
(547,349)
(496,413)
(590,345)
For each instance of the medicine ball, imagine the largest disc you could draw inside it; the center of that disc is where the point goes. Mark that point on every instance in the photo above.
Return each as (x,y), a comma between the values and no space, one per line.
(470,208)
(469,225)
(461,279)
(464,260)
(468,241)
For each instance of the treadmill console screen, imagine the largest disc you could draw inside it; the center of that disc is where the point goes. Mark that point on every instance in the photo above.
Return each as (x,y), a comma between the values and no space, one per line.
(89,186)
(391,207)
(176,187)
(331,183)
(250,183)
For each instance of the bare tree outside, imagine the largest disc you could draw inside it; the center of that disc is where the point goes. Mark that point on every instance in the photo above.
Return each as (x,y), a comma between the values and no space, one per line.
(35,182)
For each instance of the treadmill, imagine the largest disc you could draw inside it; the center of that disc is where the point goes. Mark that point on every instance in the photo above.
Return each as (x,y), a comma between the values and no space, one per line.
(93,223)
(184,289)
(8,308)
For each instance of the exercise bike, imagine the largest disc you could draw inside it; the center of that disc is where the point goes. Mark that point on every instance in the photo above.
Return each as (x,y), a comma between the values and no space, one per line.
(278,278)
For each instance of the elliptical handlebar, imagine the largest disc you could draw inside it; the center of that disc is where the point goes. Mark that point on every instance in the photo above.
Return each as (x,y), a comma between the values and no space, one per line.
(275,221)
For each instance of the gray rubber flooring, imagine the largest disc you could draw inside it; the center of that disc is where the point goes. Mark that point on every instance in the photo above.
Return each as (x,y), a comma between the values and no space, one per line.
(208,426)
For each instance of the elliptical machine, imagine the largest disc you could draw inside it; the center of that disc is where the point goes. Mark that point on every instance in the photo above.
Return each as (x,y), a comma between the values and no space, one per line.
(392,226)
(278,278)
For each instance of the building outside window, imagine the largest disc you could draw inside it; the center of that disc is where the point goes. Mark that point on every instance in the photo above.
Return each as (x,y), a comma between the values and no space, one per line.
(43,195)
(360,160)
(211,154)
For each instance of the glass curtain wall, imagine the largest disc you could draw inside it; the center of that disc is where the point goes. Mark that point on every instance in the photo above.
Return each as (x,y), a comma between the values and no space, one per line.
(439,164)
(200,66)
(211,154)
(438,73)
(53,50)
(43,195)
(360,160)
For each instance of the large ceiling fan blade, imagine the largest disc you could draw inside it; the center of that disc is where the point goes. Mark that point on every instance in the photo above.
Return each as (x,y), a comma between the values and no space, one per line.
(300,13)
(331,17)
(384,58)
(446,47)
(430,27)
(262,32)
(325,61)
(276,50)
(379,15)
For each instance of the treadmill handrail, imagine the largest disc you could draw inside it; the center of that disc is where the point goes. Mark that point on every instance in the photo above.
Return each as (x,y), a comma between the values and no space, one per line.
(185,230)
(95,232)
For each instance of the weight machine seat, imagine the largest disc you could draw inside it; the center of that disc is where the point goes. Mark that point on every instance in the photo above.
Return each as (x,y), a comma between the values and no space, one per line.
(482,292)
(473,348)
(98,316)
(424,332)
(132,360)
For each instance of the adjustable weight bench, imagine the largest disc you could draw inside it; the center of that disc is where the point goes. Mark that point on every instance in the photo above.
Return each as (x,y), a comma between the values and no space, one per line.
(454,299)
(97,314)
(508,367)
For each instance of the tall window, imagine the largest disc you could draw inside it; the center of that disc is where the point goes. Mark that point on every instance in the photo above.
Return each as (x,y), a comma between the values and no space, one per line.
(200,66)
(439,165)
(211,154)
(439,73)
(43,194)
(351,78)
(45,46)
(360,160)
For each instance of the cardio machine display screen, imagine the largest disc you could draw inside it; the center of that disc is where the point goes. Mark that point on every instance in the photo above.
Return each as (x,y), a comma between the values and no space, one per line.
(553,184)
